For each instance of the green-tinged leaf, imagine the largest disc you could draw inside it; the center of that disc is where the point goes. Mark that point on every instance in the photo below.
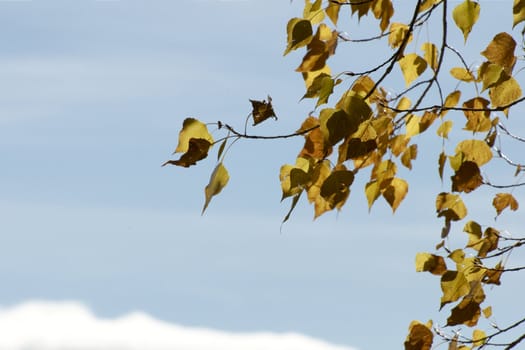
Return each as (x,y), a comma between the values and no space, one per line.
(434,264)
(518,12)
(221,149)
(262,110)
(420,336)
(395,192)
(412,67)
(477,114)
(336,125)
(441,164)
(320,47)
(322,87)
(354,148)
(408,156)
(450,206)
(336,187)
(291,178)
(398,32)
(218,180)
(309,77)
(197,150)
(462,74)
(467,178)
(300,33)
(192,129)
(445,128)
(465,15)
(501,51)
(503,201)
(491,74)
(454,286)
(355,106)
(431,55)
(476,151)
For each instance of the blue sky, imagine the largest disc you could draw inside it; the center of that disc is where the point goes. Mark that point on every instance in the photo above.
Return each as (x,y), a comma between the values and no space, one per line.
(92,96)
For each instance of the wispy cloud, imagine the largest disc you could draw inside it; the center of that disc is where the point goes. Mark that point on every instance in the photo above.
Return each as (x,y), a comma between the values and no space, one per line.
(70,325)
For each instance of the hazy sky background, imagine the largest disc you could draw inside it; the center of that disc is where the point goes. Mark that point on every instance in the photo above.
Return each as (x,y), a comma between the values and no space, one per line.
(92,97)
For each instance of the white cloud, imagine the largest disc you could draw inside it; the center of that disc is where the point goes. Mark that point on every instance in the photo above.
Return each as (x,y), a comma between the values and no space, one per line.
(70,325)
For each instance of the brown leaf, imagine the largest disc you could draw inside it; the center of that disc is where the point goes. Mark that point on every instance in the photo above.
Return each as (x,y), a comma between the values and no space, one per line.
(434,264)
(420,337)
(467,178)
(467,312)
(315,146)
(504,200)
(501,51)
(262,110)
(197,150)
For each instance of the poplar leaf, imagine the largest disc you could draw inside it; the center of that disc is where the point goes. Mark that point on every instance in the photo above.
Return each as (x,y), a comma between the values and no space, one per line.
(450,206)
(218,180)
(518,12)
(454,286)
(465,15)
(504,93)
(262,110)
(313,11)
(408,156)
(192,129)
(398,32)
(503,201)
(441,164)
(295,200)
(467,312)
(395,192)
(309,77)
(451,101)
(467,178)
(412,67)
(487,312)
(197,150)
(479,337)
(384,10)
(299,34)
(430,54)
(501,51)
(490,74)
(476,151)
(478,118)
(462,74)
(420,337)
(434,264)
(445,128)
(372,191)
(332,11)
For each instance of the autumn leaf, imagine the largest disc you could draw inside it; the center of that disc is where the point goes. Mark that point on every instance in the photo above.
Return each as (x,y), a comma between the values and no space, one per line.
(197,150)
(332,11)
(322,87)
(467,312)
(478,118)
(462,74)
(445,128)
(491,74)
(398,31)
(434,264)
(395,192)
(476,151)
(441,164)
(335,188)
(409,155)
(192,129)
(294,177)
(501,51)
(218,180)
(384,10)
(504,200)
(505,92)
(518,11)
(479,337)
(262,110)
(412,67)
(467,178)
(420,336)
(430,54)
(299,34)
(450,206)
(450,101)
(465,15)
(313,11)
(454,286)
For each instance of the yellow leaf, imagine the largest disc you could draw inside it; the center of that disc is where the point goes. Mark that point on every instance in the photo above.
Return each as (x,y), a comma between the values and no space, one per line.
(322,87)
(451,101)
(408,156)
(313,11)
(384,170)
(454,285)
(487,312)
(309,77)
(450,206)
(412,67)
(445,128)
(504,200)
(384,10)
(476,151)
(399,144)
(420,337)
(490,74)
(504,93)
(404,103)
(332,11)
(479,337)
(372,191)
(441,164)
(299,34)
(434,264)
(473,230)
(501,51)
(478,118)
(398,32)
(457,256)
(466,15)
(518,11)
(218,180)
(395,192)
(430,53)
(336,125)
(462,74)
(192,129)
(336,187)
(412,125)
